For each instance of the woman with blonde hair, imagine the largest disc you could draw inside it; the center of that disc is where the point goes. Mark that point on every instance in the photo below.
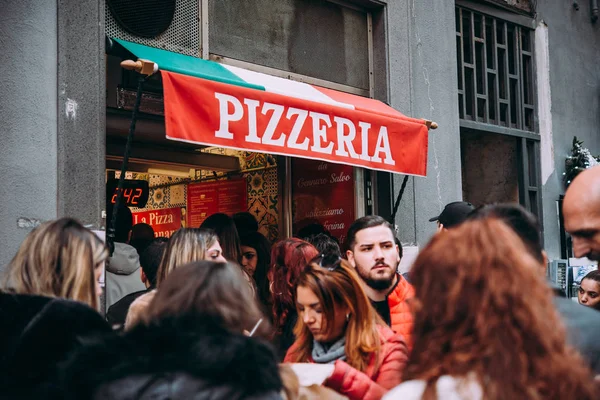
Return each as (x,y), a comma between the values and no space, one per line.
(59,258)
(185,246)
(485,326)
(337,325)
(51,284)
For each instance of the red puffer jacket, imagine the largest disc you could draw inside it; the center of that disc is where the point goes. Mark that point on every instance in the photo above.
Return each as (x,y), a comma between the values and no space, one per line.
(401,316)
(373,383)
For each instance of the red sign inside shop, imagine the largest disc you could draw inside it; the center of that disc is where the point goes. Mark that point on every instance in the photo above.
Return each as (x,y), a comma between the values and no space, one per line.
(207,198)
(165,222)
(323,193)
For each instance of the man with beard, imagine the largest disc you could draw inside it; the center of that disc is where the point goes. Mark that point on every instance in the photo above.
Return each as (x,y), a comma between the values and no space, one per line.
(581,210)
(372,250)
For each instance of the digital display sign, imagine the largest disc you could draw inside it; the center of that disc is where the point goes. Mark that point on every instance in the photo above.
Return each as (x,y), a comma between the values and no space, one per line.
(135,192)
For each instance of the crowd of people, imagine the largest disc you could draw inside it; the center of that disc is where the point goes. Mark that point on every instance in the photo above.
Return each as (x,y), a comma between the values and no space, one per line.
(218,312)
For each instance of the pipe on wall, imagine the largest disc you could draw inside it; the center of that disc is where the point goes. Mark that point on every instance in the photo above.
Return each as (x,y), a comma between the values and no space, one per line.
(594,10)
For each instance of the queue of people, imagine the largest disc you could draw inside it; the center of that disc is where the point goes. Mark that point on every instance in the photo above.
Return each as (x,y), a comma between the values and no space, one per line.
(222,314)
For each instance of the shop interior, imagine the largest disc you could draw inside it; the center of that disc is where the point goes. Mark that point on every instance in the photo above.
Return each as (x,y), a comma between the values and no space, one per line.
(188,182)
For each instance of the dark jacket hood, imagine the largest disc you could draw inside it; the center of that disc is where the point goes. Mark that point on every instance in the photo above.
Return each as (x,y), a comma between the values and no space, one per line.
(174,359)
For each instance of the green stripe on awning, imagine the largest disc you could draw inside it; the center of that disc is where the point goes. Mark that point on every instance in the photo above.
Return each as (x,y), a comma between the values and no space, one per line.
(186,65)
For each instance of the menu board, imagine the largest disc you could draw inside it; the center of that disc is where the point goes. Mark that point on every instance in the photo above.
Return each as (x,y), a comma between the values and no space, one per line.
(323,193)
(165,222)
(207,198)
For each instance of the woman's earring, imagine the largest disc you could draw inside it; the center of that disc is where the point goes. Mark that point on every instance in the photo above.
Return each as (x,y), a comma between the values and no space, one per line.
(347,317)
(271,289)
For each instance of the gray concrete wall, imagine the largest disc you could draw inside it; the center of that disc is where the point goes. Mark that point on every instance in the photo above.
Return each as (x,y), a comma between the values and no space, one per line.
(28,119)
(81,110)
(574,72)
(51,115)
(423,76)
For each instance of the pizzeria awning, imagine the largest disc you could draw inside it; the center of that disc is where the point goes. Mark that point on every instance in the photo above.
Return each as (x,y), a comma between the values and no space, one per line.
(214,104)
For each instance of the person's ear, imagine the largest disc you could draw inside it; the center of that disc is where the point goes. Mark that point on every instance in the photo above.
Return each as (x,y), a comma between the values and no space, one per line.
(143,276)
(398,253)
(350,258)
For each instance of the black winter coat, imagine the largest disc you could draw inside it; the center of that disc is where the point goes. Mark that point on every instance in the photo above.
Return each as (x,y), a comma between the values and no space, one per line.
(36,334)
(174,360)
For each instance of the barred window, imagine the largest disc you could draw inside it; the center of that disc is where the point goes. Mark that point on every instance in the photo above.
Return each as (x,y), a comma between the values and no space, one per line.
(495,71)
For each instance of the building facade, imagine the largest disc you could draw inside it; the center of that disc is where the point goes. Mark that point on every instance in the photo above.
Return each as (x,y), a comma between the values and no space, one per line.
(509,83)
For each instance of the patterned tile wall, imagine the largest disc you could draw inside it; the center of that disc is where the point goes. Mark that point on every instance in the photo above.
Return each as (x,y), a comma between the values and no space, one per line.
(259,170)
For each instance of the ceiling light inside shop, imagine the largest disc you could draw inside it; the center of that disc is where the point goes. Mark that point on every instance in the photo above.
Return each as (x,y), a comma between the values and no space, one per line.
(171,172)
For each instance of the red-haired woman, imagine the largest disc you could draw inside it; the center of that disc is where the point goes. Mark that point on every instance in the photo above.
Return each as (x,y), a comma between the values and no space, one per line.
(338,326)
(485,326)
(288,257)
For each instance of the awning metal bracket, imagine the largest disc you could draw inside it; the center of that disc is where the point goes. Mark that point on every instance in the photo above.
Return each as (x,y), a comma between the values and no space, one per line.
(145,69)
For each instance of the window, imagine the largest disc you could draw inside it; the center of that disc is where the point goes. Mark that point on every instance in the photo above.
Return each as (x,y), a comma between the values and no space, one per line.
(500,149)
(312,38)
(495,71)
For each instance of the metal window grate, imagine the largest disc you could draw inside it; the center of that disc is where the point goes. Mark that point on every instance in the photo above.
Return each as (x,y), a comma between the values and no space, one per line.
(530,187)
(495,71)
(182,36)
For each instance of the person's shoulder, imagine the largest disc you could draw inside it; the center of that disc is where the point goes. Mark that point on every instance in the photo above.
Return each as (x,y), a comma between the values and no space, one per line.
(44,306)
(401,292)
(144,299)
(447,388)
(576,314)
(129,299)
(138,308)
(386,333)
(117,313)
(79,315)
(15,301)
(41,317)
(390,339)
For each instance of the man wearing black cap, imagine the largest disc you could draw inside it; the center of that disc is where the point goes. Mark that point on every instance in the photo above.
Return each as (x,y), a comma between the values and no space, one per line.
(453,214)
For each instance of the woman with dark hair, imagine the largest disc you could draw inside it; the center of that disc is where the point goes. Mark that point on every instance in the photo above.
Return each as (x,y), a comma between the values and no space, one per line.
(256,258)
(245,222)
(228,235)
(337,325)
(190,345)
(288,259)
(589,290)
(477,334)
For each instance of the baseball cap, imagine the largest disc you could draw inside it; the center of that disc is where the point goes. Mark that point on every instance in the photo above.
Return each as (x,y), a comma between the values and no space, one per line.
(454,213)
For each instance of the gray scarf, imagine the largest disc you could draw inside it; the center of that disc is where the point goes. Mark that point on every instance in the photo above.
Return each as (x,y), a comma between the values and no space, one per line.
(323,354)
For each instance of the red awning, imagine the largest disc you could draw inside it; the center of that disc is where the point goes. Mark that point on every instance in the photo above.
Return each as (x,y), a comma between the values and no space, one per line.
(220,105)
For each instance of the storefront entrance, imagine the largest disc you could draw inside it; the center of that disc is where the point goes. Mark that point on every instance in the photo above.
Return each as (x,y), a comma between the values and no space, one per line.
(217,138)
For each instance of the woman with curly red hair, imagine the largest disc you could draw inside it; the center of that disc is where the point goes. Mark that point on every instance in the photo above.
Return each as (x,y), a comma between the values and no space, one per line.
(288,258)
(485,326)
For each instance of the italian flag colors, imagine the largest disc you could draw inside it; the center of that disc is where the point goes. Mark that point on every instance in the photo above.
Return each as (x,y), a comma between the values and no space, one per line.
(215,104)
